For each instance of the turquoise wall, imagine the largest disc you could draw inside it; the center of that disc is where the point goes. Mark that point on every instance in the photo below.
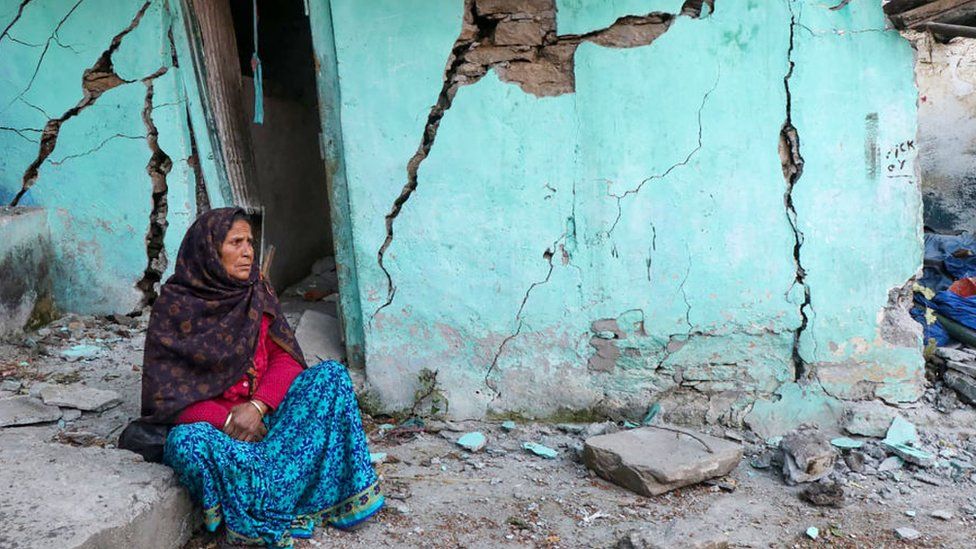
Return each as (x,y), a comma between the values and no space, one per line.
(94,184)
(643,214)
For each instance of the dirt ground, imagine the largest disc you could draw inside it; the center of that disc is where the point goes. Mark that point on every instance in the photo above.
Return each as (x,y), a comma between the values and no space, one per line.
(440,495)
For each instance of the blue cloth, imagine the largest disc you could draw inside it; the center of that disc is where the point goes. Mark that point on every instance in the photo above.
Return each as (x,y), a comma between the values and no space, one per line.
(941,267)
(311,468)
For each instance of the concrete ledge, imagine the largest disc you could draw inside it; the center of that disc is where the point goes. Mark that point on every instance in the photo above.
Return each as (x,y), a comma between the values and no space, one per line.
(25,263)
(54,495)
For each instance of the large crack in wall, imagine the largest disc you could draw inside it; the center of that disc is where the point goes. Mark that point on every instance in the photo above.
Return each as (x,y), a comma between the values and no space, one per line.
(95,81)
(519,40)
(792,161)
(158,168)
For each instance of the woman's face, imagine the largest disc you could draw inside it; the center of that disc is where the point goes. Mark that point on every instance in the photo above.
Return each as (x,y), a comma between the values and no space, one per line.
(237,250)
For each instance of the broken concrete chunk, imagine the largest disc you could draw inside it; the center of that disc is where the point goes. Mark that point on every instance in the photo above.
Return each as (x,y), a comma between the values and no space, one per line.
(508,425)
(684,538)
(958,355)
(319,337)
(941,514)
(891,464)
(912,455)
(540,450)
(473,441)
(901,431)
(813,532)
(526,32)
(81,352)
(907,533)
(962,384)
(807,455)
(12,385)
(869,419)
(845,443)
(655,460)
(87,399)
(26,410)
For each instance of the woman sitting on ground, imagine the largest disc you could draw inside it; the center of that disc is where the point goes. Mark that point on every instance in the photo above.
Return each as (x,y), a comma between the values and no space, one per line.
(269,448)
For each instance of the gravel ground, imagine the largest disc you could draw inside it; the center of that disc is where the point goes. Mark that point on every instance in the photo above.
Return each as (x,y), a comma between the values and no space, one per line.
(440,495)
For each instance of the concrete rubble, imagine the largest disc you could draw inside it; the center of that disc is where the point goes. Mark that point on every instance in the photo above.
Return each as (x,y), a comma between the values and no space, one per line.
(26,410)
(87,399)
(807,455)
(655,460)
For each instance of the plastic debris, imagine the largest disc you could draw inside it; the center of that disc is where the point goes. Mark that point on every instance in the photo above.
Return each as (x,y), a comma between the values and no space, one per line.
(813,532)
(540,450)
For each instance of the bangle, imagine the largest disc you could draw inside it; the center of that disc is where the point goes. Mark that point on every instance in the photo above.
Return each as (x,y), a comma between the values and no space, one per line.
(258,406)
(230,416)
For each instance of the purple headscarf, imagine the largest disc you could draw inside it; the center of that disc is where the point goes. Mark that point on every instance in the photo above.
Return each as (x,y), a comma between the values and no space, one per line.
(204,326)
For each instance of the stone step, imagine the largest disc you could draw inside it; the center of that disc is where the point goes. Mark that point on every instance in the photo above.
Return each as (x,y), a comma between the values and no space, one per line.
(55,495)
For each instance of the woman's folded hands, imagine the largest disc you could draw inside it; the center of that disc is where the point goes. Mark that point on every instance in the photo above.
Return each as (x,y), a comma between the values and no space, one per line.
(245,423)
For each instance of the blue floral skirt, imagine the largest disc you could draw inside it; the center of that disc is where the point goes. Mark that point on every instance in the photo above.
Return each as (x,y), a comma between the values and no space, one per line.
(311,468)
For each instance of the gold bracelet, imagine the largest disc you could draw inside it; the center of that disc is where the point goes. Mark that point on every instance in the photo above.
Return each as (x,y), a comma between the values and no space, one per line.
(258,406)
(230,415)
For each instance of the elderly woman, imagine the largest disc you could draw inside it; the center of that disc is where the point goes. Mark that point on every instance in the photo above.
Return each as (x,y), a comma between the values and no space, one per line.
(268,447)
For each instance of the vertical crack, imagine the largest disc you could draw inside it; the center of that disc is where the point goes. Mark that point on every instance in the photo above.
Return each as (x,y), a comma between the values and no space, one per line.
(792,161)
(158,168)
(95,81)
(543,67)
(568,234)
(200,185)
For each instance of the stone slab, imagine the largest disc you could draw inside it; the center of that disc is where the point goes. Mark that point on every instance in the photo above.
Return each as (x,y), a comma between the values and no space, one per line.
(80,397)
(962,384)
(62,496)
(26,410)
(807,455)
(318,335)
(652,460)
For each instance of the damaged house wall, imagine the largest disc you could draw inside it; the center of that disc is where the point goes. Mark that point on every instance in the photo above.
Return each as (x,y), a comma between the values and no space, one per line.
(93,125)
(566,206)
(946,130)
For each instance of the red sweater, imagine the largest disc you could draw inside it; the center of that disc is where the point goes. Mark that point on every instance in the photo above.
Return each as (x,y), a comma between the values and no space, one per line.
(274,370)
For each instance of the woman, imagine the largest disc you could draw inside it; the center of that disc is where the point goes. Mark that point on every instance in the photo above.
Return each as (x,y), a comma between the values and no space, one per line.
(269,448)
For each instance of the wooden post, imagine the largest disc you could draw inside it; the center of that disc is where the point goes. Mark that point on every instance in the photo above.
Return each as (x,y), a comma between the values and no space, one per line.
(217,52)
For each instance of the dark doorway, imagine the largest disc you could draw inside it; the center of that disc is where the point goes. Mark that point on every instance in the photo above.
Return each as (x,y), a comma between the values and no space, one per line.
(291,178)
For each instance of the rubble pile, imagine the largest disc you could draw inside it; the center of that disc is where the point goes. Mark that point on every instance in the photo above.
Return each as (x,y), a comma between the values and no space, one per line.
(958,370)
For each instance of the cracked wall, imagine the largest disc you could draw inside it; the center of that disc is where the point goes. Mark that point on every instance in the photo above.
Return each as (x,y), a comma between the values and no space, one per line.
(93,125)
(636,237)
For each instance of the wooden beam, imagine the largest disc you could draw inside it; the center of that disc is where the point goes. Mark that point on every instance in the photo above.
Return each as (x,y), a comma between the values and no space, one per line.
(951,31)
(940,10)
(899,6)
(218,47)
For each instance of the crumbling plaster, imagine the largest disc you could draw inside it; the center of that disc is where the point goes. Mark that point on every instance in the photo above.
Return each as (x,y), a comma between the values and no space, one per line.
(93,125)
(642,216)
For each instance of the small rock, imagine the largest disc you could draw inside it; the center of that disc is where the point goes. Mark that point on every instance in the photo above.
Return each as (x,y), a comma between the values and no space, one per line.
(901,431)
(927,479)
(910,513)
(540,450)
(962,384)
(912,455)
(854,461)
(891,464)
(941,514)
(597,429)
(508,425)
(824,494)
(845,443)
(867,419)
(813,532)
(70,414)
(473,441)
(26,410)
(78,396)
(907,533)
(807,455)
(81,352)
(761,461)
(12,385)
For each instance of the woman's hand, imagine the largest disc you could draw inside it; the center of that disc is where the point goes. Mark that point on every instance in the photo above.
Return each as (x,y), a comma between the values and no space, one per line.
(245,423)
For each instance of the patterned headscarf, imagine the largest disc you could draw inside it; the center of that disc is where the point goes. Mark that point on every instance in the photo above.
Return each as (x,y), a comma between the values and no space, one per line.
(204,326)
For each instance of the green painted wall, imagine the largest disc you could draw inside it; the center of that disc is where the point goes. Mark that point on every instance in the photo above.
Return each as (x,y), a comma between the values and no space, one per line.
(644,214)
(94,183)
